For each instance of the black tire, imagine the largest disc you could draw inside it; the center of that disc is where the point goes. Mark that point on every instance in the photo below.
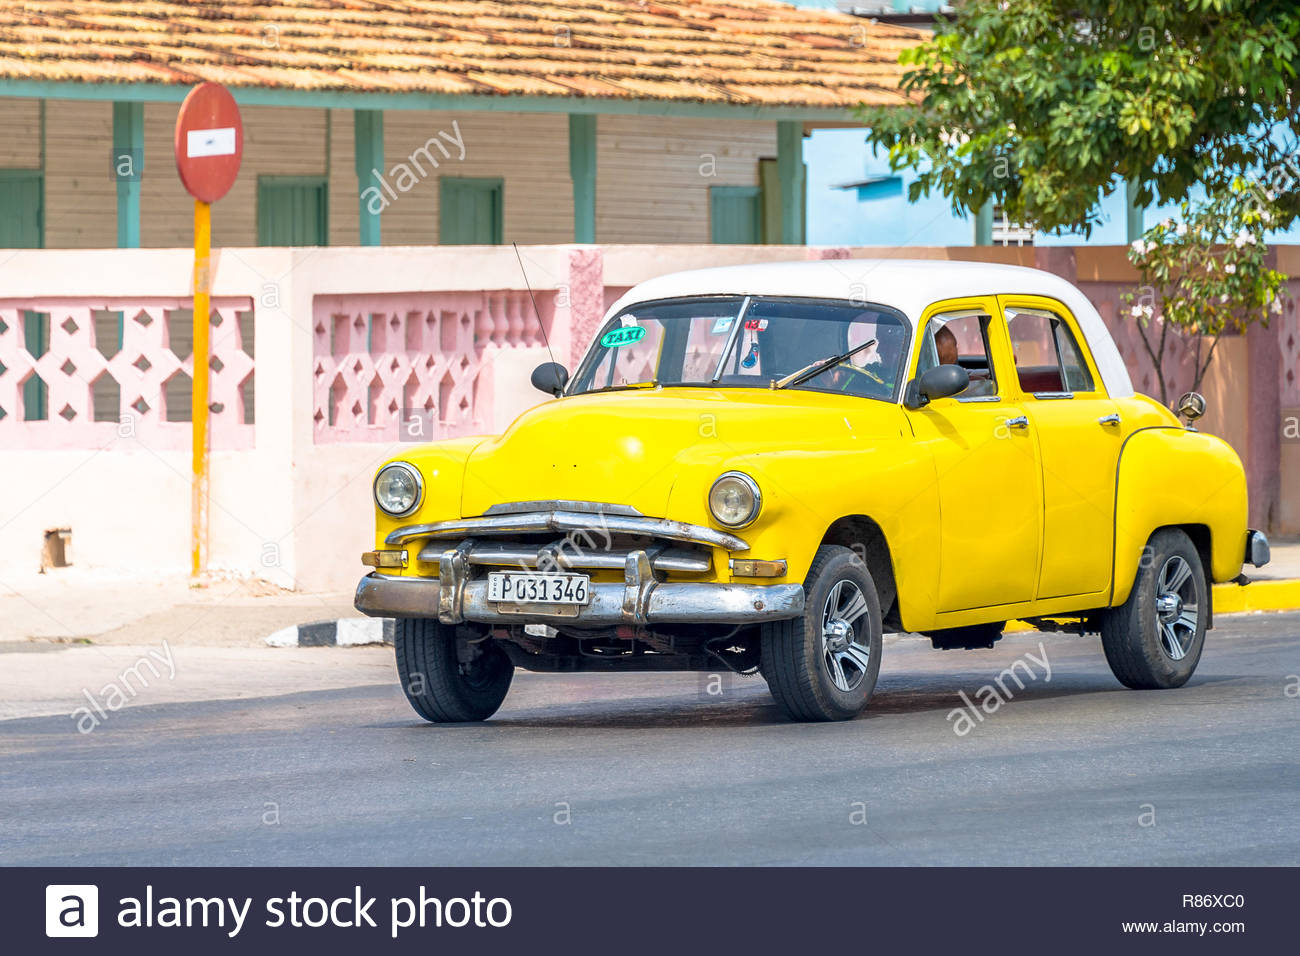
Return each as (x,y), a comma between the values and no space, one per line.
(1139,634)
(795,651)
(441,687)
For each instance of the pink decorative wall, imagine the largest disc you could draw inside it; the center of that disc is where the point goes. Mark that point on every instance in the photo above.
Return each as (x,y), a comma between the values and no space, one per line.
(381,362)
(1179,360)
(98,393)
(1288,336)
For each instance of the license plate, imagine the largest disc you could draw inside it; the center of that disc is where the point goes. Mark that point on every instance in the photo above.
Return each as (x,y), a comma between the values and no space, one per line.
(516,587)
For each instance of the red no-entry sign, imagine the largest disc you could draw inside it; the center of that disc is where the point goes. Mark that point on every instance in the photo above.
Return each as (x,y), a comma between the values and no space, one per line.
(209,142)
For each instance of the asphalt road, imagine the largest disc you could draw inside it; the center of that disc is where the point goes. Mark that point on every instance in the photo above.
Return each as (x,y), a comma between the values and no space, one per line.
(653,769)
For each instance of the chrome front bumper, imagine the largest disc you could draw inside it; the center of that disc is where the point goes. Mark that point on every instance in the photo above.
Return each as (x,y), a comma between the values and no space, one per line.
(640,599)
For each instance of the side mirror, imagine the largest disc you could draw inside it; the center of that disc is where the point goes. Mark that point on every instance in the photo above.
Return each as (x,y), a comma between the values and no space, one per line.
(941,381)
(550,377)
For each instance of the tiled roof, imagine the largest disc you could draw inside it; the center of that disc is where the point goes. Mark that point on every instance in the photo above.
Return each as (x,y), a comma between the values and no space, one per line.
(740,52)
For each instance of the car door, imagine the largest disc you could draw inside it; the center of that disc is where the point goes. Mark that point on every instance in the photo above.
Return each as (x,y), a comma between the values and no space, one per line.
(985,463)
(1079,437)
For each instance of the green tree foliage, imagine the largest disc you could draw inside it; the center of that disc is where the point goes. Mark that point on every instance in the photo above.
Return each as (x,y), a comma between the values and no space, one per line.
(1046,105)
(1206,273)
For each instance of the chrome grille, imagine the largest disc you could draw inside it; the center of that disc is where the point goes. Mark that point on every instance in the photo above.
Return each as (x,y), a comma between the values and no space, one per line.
(591,536)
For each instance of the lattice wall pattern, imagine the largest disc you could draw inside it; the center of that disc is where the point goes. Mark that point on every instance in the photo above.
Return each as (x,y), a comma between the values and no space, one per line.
(1288,335)
(406,366)
(82,373)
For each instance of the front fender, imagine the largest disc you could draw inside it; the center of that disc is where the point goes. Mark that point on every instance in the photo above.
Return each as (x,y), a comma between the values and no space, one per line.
(1172,476)
(806,491)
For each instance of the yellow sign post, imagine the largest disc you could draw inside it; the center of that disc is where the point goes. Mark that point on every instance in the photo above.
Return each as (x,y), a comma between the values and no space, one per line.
(199,409)
(209,143)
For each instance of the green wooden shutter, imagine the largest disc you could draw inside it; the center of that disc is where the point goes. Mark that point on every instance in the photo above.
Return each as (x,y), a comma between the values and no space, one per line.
(292,211)
(470,211)
(736,214)
(36,340)
(21,209)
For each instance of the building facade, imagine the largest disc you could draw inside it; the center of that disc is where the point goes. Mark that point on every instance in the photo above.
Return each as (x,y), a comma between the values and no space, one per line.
(430,123)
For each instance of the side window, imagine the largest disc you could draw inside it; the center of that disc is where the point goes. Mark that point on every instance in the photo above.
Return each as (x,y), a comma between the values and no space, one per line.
(1077,376)
(1048,359)
(960,338)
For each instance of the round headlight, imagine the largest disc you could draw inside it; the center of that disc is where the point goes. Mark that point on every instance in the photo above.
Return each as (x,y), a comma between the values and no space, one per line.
(397,489)
(735,499)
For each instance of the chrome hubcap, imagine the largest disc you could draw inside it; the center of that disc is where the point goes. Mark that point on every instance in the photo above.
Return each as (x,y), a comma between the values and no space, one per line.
(845,653)
(1177,615)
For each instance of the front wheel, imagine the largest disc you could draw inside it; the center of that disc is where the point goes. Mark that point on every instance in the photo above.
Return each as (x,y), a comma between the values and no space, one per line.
(446,679)
(1153,640)
(823,664)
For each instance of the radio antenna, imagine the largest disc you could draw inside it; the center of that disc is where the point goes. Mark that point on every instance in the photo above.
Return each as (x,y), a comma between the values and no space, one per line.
(533,300)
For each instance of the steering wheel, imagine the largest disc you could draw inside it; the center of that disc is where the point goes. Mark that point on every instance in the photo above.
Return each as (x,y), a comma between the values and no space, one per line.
(874,385)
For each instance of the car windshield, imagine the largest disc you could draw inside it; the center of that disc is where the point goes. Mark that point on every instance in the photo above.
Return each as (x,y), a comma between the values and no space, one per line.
(748,342)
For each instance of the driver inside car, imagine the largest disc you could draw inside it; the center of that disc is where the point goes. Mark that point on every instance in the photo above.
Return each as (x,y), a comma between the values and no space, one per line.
(945,343)
(945,348)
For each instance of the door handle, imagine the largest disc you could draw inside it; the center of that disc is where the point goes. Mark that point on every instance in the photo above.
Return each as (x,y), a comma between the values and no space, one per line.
(1111,419)
(1020,421)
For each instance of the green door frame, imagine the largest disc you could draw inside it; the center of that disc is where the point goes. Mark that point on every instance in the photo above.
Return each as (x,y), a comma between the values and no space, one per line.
(793,179)
(582,170)
(368,140)
(128,170)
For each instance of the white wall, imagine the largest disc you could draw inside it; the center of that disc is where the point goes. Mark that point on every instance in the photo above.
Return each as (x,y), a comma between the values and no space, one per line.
(288,510)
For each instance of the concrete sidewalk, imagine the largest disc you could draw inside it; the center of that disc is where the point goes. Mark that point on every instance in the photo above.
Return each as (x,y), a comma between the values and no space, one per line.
(44,679)
(78,604)
(1284,565)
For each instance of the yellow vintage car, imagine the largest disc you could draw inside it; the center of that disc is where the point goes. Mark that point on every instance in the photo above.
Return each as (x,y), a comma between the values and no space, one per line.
(764,468)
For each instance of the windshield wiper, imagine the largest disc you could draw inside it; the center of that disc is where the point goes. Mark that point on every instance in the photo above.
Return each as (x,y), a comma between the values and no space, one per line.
(821,365)
(623,387)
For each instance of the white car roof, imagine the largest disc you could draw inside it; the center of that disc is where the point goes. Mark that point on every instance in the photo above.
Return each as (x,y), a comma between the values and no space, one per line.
(909,285)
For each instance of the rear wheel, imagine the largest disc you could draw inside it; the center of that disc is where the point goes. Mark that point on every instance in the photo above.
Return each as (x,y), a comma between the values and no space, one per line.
(1154,639)
(823,664)
(446,678)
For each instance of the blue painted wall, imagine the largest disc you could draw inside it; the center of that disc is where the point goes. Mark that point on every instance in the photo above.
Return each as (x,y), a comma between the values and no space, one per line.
(846,217)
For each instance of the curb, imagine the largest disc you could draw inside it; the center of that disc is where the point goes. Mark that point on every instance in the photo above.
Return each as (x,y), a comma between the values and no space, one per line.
(344,632)
(1260,595)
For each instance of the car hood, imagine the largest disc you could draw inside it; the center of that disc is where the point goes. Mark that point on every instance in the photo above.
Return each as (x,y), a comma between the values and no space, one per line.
(631,447)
